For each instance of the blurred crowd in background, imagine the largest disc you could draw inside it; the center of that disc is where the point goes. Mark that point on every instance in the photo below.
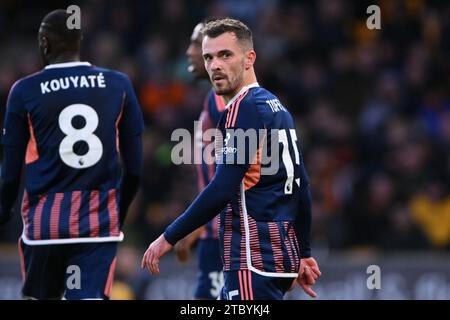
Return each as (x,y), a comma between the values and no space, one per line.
(372,106)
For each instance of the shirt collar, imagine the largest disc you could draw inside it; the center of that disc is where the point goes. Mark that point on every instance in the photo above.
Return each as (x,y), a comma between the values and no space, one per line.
(67,64)
(245,88)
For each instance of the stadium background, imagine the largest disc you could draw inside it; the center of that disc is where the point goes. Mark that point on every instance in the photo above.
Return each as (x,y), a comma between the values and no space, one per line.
(373,113)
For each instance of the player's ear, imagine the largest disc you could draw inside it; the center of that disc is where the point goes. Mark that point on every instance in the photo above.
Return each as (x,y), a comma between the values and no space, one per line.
(250,57)
(44,44)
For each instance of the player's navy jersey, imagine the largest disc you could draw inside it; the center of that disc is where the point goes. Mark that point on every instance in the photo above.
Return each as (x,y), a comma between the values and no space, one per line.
(70,116)
(257,226)
(209,118)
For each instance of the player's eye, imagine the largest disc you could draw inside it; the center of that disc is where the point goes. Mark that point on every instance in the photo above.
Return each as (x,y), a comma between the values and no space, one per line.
(207,58)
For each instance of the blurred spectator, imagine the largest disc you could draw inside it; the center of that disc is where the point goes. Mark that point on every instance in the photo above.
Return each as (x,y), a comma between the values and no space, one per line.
(430,209)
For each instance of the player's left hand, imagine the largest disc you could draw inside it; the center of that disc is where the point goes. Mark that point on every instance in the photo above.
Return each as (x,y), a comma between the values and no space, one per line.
(308,274)
(156,250)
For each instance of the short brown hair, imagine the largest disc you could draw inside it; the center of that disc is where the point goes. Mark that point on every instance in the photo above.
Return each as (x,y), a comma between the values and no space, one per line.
(217,27)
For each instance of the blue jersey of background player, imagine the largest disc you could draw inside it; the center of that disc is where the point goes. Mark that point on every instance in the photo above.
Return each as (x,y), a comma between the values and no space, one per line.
(266,214)
(210,275)
(69,122)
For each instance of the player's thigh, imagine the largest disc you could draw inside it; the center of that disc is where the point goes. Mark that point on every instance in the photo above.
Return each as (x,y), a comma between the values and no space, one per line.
(210,276)
(43,270)
(91,273)
(247,285)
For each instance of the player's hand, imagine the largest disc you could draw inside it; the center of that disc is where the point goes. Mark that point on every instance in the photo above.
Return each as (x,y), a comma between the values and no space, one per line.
(308,274)
(156,250)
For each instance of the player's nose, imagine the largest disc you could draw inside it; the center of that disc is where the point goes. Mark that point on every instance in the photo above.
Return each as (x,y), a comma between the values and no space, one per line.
(215,64)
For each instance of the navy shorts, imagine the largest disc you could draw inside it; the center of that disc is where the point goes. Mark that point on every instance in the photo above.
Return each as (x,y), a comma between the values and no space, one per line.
(247,285)
(73,271)
(210,275)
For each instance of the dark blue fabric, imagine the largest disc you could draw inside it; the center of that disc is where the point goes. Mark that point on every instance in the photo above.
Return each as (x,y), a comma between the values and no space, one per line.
(205,207)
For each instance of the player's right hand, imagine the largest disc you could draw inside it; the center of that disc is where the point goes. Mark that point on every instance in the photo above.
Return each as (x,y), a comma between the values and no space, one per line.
(156,250)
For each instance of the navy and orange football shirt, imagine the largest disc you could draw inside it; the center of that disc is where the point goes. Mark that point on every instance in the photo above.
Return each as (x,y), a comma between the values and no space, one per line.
(70,117)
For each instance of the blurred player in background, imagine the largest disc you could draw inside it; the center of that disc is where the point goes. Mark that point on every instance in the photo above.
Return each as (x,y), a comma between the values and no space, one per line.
(69,122)
(210,276)
(266,218)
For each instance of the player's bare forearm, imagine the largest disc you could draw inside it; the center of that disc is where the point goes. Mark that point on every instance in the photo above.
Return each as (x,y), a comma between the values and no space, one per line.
(183,247)
(193,236)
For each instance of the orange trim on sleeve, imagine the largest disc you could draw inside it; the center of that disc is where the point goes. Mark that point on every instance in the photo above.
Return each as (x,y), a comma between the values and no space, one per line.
(32,152)
(118,120)
(253,174)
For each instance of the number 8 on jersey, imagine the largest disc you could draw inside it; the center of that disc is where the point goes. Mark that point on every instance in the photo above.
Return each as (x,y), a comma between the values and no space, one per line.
(74,135)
